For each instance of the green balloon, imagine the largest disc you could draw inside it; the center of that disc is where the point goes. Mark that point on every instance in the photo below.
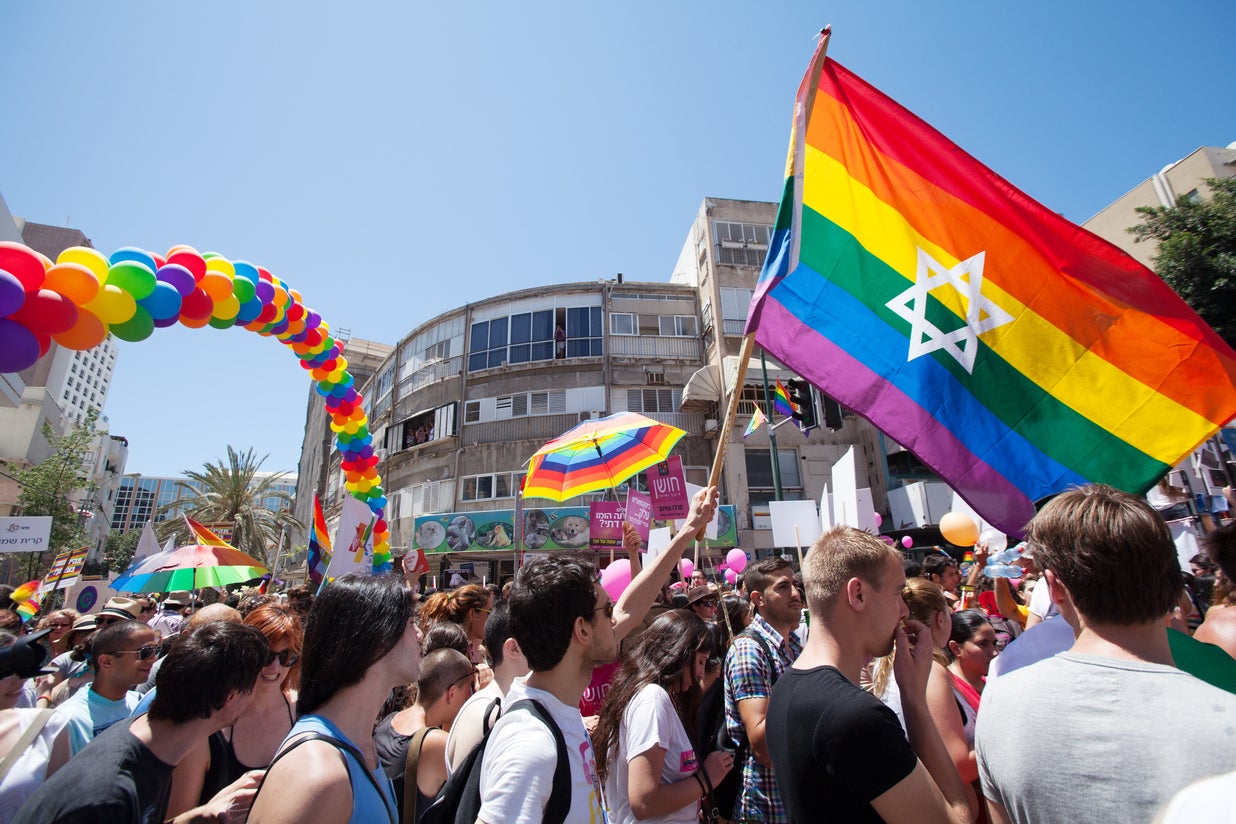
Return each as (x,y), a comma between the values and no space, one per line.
(137,328)
(133,277)
(244,290)
(220,323)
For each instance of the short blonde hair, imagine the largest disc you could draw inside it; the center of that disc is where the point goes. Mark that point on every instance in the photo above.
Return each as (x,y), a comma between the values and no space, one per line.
(837,556)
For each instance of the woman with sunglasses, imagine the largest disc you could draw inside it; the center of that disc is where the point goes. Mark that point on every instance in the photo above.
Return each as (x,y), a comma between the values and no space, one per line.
(469,607)
(251,741)
(361,641)
(60,623)
(645,755)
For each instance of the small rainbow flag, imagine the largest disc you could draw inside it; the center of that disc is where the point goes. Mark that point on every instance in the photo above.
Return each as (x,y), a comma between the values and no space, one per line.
(781,400)
(202,535)
(1013,352)
(319,545)
(757,420)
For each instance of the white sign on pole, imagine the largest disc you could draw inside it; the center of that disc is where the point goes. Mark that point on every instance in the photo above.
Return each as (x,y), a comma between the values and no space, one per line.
(27,533)
(787,515)
(353,547)
(845,490)
(710,531)
(865,518)
(658,541)
(826,510)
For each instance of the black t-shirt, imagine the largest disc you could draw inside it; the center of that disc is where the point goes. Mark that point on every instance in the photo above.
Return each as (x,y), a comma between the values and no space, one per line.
(116,778)
(834,747)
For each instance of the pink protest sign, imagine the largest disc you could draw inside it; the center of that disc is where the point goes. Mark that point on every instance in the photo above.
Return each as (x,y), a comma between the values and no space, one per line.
(669,490)
(606,519)
(639,514)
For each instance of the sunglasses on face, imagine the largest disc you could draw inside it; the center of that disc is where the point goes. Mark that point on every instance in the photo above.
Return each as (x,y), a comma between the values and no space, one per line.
(144,654)
(608,608)
(710,603)
(286,658)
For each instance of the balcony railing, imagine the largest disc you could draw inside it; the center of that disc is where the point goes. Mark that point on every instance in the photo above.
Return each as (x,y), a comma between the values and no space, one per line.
(652,346)
(733,327)
(690,422)
(532,427)
(431,373)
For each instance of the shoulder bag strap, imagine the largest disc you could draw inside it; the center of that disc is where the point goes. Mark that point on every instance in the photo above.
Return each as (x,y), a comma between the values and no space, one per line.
(338,744)
(559,805)
(24,741)
(768,653)
(409,773)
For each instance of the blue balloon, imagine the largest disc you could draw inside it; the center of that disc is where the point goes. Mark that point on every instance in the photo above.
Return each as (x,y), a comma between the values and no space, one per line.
(163,302)
(249,310)
(133,253)
(245,269)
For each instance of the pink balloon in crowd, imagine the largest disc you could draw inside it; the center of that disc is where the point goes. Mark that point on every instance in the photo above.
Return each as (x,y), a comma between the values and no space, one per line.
(879,520)
(685,567)
(907,541)
(616,577)
(736,559)
(731,575)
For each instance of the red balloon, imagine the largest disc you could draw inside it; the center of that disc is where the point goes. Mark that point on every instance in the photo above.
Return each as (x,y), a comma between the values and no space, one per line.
(265,274)
(22,263)
(46,313)
(191,260)
(197,304)
(44,343)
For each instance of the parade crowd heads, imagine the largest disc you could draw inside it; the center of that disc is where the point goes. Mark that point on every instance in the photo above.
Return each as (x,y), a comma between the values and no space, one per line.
(862,687)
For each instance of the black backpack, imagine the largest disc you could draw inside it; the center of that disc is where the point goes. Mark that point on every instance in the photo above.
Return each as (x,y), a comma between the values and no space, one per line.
(459,800)
(712,735)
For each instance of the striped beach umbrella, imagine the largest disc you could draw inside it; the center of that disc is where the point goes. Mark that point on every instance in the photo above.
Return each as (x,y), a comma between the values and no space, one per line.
(598,454)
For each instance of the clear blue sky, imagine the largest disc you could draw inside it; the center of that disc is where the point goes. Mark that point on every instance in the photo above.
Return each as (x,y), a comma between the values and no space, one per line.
(392,160)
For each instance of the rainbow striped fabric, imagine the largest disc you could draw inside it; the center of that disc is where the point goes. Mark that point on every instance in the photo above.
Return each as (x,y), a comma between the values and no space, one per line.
(1015,353)
(781,400)
(757,420)
(319,545)
(203,535)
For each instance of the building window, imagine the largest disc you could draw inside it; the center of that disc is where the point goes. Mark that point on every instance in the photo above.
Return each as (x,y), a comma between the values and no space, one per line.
(552,402)
(491,487)
(760,479)
(735,302)
(472,412)
(625,323)
(741,244)
(528,337)
(653,401)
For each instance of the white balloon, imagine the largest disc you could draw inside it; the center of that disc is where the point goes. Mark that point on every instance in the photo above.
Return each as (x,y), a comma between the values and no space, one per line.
(996,540)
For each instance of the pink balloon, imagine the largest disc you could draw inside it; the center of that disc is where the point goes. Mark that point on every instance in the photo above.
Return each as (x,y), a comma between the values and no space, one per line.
(907,541)
(685,566)
(722,565)
(616,577)
(731,575)
(888,539)
(736,559)
(879,520)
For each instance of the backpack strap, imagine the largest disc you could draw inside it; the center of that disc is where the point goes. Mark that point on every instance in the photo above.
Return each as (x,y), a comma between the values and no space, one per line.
(559,805)
(338,744)
(489,719)
(768,653)
(24,740)
(410,789)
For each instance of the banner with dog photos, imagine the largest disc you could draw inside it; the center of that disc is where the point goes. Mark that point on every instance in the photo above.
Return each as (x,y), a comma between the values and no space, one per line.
(544,529)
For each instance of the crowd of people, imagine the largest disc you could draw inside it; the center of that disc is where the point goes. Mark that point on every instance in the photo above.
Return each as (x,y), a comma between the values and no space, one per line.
(861,687)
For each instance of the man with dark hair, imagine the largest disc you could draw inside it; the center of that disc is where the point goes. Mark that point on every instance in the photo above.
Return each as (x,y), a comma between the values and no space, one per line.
(1219,628)
(125,774)
(121,656)
(565,625)
(1114,705)
(753,664)
(941,568)
(509,663)
(836,749)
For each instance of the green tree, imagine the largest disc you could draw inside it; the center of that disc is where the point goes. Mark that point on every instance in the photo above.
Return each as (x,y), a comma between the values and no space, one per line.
(47,487)
(1197,251)
(234,493)
(119,550)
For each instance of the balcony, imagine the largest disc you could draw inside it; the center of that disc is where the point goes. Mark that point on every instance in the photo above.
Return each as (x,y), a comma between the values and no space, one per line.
(652,346)
(529,428)
(734,327)
(430,373)
(690,422)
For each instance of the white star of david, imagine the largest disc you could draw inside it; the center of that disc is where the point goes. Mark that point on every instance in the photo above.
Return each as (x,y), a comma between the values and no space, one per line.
(982,315)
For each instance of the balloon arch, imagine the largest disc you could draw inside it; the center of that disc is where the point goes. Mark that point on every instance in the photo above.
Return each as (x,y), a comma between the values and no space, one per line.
(81,297)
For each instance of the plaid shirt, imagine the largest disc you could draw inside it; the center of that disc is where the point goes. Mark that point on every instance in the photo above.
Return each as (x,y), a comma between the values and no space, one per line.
(747,676)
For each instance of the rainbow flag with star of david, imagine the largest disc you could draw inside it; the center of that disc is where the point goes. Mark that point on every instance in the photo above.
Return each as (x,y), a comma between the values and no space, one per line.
(1013,352)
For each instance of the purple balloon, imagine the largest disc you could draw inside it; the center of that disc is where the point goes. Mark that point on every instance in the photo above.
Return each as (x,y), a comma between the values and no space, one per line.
(265,291)
(313,320)
(12,294)
(19,348)
(163,323)
(178,277)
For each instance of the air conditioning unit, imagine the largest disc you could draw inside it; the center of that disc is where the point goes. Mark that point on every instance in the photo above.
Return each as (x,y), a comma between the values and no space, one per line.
(710,425)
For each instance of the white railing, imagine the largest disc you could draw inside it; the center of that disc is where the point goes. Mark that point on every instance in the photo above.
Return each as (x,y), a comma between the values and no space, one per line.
(432,373)
(652,346)
(532,427)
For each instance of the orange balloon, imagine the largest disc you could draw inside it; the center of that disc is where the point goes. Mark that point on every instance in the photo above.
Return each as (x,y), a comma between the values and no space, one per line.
(73,280)
(959,529)
(217,285)
(193,323)
(87,333)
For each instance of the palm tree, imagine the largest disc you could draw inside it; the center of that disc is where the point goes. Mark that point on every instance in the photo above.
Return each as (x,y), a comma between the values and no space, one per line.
(234,493)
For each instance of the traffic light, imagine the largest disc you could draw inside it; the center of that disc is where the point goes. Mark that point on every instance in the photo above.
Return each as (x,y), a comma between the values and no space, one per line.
(832,413)
(803,399)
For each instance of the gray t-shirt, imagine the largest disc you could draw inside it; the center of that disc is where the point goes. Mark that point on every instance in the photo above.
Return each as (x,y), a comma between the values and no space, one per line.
(1083,738)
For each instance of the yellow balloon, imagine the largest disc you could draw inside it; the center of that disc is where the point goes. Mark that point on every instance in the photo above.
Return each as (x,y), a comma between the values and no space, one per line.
(227,308)
(959,529)
(92,259)
(112,305)
(222,265)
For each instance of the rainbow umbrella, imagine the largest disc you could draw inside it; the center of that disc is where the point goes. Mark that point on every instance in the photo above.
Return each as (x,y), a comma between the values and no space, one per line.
(598,454)
(191,567)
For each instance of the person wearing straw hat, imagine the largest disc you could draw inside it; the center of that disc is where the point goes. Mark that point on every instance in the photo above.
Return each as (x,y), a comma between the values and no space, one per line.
(703,601)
